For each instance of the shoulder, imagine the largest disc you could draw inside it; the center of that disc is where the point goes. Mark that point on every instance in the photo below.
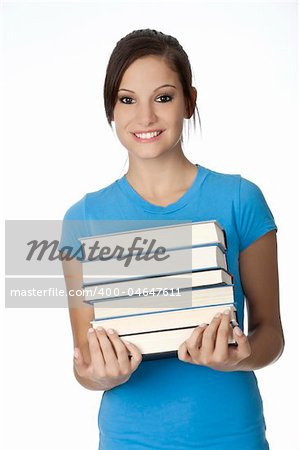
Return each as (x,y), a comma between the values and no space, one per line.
(231,182)
(246,194)
(223,178)
(91,201)
(224,185)
(245,199)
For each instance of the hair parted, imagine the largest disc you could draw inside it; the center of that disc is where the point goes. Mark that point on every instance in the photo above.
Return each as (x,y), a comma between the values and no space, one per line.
(140,43)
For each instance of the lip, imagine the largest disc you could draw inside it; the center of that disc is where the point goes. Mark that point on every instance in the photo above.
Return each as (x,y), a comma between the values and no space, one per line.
(147,131)
(147,141)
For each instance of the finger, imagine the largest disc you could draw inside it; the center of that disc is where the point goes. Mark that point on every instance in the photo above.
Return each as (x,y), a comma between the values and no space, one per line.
(244,349)
(183,354)
(193,343)
(136,356)
(80,365)
(96,356)
(195,339)
(221,346)
(108,352)
(120,349)
(209,337)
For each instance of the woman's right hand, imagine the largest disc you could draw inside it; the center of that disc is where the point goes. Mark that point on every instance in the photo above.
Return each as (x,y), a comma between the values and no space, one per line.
(110,363)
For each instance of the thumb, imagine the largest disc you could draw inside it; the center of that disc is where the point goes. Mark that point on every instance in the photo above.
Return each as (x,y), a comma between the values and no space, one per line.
(136,356)
(79,363)
(241,340)
(238,334)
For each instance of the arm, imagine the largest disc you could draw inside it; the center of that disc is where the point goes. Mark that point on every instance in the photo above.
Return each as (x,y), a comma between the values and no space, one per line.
(101,360)
(207,344)
(259,277)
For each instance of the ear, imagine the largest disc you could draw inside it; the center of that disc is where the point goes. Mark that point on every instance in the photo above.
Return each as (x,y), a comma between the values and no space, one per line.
(190,106)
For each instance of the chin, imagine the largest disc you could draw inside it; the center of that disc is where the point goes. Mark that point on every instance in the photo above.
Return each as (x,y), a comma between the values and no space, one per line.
(147,153)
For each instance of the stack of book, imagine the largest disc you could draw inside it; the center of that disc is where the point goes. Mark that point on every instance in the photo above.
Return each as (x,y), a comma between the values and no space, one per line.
(155,285)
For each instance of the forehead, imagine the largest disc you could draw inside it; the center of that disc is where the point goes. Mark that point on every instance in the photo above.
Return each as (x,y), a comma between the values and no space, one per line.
(149,70)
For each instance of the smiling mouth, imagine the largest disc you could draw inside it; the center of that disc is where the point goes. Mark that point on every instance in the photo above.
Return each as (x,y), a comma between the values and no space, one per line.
(149,135)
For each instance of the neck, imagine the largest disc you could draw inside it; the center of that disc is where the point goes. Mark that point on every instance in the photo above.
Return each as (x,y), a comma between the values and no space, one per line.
(158,178)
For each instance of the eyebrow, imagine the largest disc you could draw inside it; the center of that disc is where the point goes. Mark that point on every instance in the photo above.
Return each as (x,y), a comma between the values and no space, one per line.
(163,85)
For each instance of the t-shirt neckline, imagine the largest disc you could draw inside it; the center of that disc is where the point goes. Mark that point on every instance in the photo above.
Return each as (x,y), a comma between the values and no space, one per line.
(151,207)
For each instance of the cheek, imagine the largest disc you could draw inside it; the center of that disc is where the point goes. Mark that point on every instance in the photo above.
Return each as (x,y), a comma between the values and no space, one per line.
(122,117)
(119,131)
(178,120)
(176,114)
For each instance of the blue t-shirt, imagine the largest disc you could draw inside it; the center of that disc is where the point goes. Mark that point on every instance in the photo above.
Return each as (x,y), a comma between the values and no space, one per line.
(170,404)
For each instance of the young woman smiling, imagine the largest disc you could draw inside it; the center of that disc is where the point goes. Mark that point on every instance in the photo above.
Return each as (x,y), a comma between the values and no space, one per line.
(207,397)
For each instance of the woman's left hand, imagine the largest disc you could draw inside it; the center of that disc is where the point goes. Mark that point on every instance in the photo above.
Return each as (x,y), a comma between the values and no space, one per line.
(208,345)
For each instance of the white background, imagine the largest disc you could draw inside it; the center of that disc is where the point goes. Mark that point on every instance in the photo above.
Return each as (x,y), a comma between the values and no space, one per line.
(58,146)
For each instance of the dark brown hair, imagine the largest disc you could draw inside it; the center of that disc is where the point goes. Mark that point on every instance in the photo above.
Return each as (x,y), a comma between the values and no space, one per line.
(141,43)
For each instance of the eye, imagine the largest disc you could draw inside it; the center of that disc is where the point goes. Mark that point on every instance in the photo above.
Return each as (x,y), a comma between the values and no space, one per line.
(126,100)
(164,98)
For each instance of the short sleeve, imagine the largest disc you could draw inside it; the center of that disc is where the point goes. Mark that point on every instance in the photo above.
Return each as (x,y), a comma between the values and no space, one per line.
(255,217)
(73,227)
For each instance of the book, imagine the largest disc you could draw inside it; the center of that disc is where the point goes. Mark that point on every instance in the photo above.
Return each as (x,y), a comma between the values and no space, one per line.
(129,287)
(173,236)
(154,321)
(123,306)
(177,262)
(164,342)
(155,296)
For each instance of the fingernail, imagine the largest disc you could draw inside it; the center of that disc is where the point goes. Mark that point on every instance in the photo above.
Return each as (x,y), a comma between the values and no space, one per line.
(110,331)
(99,328)
(217,315)
(91,330)
(238,331)
(76,353)
(226,312)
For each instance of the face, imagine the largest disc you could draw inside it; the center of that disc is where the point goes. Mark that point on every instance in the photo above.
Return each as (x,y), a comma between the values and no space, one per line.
(150,108)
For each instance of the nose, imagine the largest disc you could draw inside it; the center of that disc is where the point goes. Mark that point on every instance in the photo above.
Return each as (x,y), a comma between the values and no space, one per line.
(146,114)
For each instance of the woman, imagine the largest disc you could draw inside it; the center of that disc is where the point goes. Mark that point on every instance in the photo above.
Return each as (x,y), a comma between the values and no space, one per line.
(207,397)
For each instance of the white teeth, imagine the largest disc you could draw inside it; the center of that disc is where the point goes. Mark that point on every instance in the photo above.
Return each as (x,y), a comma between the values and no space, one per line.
(148,135)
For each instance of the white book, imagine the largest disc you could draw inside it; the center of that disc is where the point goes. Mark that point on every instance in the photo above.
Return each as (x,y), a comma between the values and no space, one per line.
(146,304)
(133,286)
(162,320)
(174,262)
(170,236)
(158,344)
